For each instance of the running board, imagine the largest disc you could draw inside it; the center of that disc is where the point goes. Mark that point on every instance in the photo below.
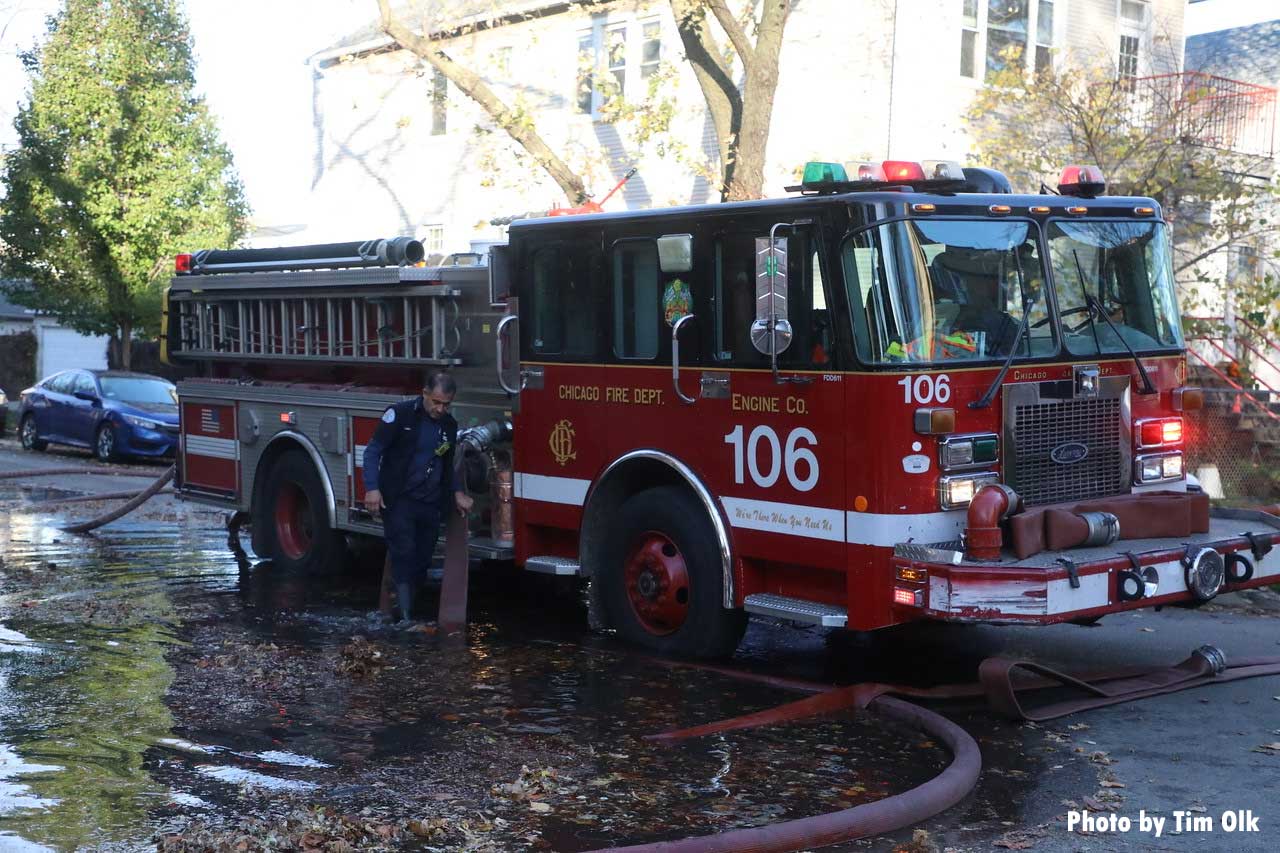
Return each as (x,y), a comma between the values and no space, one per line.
(562,566)
(796,609)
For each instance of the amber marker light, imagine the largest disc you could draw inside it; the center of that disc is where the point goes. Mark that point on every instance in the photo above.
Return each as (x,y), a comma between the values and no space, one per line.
(999,209)
(1078,211)
(935,421)
(912,574)
(1039,208)
(1188,399)
(924,208)
(1144,211)
(288,418)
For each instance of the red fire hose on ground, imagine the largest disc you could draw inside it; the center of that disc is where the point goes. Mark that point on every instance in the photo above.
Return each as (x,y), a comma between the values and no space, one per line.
(1002,681)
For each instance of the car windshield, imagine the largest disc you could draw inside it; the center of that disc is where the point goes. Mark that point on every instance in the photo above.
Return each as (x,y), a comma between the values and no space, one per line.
(946,290)
(1126,271)
(134,390)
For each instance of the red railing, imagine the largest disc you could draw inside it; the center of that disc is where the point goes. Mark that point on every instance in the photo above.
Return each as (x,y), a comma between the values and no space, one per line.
(1213,341)
(1213,111)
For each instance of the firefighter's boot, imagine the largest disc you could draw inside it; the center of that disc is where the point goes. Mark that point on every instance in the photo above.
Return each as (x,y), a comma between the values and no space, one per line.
(404,594)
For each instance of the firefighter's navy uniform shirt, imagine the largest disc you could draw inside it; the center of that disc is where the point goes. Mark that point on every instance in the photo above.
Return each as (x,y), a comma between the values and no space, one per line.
(411,521)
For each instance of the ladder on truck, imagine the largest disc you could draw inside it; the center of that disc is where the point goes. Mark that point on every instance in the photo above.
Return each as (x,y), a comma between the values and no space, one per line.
(402,314)
(320,309)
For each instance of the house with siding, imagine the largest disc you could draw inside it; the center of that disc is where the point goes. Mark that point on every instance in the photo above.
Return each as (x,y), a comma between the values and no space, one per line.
(398,151)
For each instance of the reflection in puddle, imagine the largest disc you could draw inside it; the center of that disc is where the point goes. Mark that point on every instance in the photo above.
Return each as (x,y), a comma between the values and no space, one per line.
(252,779)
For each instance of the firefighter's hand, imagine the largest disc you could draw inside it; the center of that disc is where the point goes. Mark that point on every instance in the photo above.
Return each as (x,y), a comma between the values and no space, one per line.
(464,502)
(373,501)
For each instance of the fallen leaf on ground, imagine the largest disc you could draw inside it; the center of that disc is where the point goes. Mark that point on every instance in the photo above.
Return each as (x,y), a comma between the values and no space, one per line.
(1111,783)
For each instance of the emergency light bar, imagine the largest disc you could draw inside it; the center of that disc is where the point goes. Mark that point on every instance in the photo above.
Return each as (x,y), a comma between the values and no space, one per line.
(938,175)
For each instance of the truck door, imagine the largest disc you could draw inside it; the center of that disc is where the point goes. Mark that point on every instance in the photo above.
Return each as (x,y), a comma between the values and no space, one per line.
(769,450)
(560,431)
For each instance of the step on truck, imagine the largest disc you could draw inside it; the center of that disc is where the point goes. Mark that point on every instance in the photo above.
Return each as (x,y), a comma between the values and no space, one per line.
(901,392)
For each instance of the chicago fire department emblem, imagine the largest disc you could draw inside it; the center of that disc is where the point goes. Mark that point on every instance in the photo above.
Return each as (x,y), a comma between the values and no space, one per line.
(562,442)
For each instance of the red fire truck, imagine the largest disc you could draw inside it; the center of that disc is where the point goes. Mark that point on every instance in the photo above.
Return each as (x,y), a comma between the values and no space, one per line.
(901,392)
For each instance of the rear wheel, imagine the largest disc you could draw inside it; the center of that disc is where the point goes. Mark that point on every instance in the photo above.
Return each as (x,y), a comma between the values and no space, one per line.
(29,435)
(292,520)
(663,580)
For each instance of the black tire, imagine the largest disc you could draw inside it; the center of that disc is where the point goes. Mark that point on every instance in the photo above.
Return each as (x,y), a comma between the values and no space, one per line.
(291,521)
(28,434)
(104,444)
(662,580)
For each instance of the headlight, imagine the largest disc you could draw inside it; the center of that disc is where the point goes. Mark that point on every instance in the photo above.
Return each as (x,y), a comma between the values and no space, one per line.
(143,423)
(955,492)
(967,451)
(1157,468)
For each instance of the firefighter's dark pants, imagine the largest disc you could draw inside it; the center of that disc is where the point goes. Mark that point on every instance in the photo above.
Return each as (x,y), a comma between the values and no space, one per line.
(411,527)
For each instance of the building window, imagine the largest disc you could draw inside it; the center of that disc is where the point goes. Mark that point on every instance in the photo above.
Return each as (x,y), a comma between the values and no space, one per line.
(1001,32)
(650,49)
(433,238)
(439,103)
(1133,31)
(622,55)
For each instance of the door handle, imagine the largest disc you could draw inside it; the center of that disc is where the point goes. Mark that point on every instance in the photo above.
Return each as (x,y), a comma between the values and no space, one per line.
(675,358)
(500,352)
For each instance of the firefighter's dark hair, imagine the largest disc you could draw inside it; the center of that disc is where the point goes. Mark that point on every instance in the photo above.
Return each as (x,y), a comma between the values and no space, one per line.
(439,380)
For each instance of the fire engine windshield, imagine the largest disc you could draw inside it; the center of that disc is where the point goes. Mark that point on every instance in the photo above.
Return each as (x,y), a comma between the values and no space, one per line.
(947,290)
(1127,270)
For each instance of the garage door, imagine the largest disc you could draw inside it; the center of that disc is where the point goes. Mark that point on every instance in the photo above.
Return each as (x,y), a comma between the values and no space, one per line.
(62,349)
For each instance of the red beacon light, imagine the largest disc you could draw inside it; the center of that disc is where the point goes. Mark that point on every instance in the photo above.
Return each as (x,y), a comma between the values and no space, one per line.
(903,170)
(182,263)
(1082,181)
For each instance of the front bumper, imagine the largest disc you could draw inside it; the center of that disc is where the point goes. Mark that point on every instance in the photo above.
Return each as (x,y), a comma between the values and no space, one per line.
(1045,590)
(136,441)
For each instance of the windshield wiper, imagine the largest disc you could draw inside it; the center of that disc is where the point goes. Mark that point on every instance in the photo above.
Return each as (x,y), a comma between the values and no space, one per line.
(1027,303)
(986,398)
(1096,307)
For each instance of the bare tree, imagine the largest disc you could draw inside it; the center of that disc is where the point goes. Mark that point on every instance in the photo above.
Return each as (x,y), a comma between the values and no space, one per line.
(741,45)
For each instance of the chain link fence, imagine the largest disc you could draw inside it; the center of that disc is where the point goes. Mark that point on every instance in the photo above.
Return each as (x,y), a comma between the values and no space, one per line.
(1233,445)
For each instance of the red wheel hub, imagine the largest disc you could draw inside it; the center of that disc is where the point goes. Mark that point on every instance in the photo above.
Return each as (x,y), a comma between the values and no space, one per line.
(293,521)
(657,583)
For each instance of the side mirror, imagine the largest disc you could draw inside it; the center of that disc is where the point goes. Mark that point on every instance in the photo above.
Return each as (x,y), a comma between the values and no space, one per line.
(771,331)
(87,396)
(675,253)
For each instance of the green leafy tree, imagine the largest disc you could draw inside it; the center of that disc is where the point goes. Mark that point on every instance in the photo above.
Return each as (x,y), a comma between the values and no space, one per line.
(118,166)
(1174,138)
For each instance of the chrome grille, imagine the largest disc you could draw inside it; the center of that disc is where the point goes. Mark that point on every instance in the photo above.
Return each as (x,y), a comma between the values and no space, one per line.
(1036,426)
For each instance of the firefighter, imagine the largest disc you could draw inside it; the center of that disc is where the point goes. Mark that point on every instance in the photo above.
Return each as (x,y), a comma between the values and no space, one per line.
(409,477)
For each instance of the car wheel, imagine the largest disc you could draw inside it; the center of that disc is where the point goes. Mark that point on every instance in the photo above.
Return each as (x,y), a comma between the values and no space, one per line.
(30,437)
(104,444)
(292,522)
(663,580)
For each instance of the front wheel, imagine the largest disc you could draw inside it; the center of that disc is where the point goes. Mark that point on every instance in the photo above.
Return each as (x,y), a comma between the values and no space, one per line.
(663,580)
(292,519)
(104,444)
(29,435)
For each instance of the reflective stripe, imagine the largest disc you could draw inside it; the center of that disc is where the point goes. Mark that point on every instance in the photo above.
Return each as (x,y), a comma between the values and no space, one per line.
(360,455)
(790,519)
(556,490)
(216,448)
(887,529)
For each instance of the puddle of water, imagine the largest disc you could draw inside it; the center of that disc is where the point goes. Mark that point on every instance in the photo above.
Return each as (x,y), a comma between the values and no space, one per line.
(173,682)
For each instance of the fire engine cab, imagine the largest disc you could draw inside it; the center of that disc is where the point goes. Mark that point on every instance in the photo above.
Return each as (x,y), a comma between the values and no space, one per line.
(901,392)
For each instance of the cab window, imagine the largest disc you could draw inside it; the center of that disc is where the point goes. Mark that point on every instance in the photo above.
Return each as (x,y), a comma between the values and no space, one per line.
(636,299)
(737,290)
(561,320)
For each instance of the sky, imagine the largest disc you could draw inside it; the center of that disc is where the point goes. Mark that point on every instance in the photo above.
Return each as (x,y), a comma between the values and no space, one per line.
(251,67)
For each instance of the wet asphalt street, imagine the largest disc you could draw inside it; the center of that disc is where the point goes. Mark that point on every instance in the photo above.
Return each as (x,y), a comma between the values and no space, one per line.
(155,688)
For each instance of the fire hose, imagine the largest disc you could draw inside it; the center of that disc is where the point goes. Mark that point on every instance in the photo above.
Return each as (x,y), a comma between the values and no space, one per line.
(1000,680)
(124,509)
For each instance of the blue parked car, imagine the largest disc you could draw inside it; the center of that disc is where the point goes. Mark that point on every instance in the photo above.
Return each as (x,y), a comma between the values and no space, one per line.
(112,412)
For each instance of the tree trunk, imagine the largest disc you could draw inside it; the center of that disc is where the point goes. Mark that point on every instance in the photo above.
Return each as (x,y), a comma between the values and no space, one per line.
(474,87)
(715,77)
(757,99)
(126,345)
